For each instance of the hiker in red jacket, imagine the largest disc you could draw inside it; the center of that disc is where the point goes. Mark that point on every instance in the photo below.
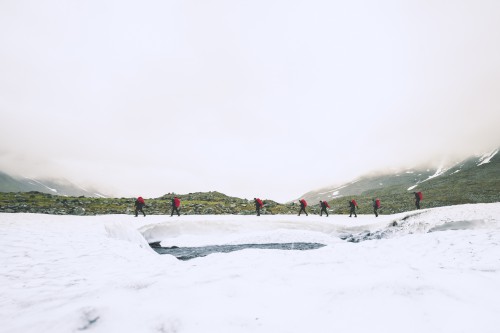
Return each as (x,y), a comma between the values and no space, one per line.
(418,197)
(139,204)
(376,206)
(323,205)
(258,205)
(353,205)
(176,202)
(303,205)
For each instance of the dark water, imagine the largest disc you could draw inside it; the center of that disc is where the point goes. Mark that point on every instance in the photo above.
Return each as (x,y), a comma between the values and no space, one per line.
(186,253)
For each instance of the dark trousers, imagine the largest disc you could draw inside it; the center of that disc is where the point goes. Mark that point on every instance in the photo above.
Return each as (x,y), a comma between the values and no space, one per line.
(258,210)
(353,211)
(417,204)
(375,211)
(175,209)
(302,209)
(323,210)
(137,210)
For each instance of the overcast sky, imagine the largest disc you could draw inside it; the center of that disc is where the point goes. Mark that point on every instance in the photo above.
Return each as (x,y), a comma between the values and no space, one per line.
(250,98)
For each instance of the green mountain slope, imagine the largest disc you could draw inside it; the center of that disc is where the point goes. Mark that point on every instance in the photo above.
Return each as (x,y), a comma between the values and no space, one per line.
(471,181)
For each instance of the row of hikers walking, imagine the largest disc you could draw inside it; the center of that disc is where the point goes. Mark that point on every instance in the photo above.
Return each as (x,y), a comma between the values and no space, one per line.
(176,203)
(352,205)
(324,205)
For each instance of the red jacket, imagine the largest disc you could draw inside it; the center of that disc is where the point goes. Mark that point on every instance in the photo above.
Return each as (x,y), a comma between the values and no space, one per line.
(177,202)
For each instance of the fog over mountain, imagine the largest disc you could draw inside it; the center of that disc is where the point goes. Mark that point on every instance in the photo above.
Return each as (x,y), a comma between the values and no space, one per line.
(262,98)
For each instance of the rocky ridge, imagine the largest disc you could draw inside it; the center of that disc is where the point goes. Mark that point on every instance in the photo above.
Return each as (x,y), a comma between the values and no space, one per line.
(201,203)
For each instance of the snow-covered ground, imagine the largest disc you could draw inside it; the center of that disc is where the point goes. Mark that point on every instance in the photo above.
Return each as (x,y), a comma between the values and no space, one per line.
(436,270)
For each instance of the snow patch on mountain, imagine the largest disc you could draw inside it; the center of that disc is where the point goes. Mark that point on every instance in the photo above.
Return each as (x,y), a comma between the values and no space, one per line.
(440,171)
(36,182)
(336,191)
(486,158)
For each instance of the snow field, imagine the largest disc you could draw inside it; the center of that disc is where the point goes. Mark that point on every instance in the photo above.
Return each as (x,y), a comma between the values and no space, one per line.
(98,274)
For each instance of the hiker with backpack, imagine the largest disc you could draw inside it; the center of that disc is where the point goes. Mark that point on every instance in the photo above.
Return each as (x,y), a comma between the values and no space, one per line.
(353,205)
(139,204)
(176,202)
(303,205)
(376,206)
(258,205)
(418,197)
(323,205)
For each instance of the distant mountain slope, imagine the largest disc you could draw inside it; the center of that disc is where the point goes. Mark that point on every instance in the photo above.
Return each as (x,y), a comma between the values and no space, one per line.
(62,187)
(476,179)
(360,185)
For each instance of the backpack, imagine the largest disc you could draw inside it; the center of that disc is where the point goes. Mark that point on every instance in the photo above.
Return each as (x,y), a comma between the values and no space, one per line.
(377,203)
(420,195)
(304,202)
(354,202)
(177,202)
(326,204)
(260,202)
(141,200)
